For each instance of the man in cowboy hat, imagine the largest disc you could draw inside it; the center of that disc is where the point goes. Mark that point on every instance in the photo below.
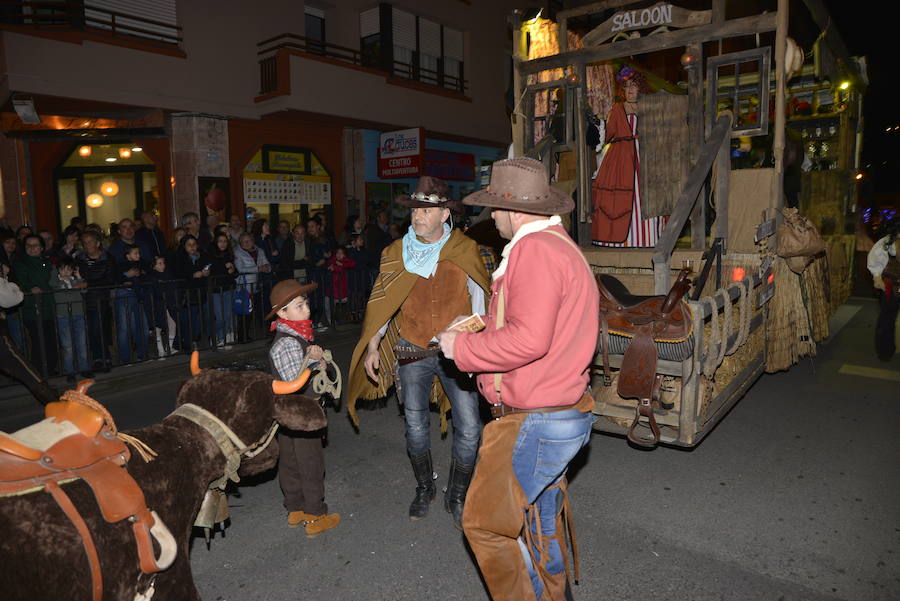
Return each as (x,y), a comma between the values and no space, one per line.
(427,279)
(532,360)
(301,461)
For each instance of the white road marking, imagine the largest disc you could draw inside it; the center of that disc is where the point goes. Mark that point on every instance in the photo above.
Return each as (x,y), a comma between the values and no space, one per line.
(870,372)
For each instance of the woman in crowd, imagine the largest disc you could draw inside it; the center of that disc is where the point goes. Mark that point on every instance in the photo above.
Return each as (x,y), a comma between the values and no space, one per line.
(250,262)
(221,283)
(97,268)
(70,245)
(31,271)
(353,226)
(262,237)
(192,266)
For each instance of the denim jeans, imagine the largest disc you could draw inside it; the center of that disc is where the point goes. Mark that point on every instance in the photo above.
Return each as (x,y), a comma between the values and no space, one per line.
(131,326)
(222,303)
(546,444)
(415,392)
(14,323)
(73,343)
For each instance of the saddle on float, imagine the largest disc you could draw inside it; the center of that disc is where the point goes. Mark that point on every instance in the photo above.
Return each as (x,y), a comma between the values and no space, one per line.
(78,440)
(643,329)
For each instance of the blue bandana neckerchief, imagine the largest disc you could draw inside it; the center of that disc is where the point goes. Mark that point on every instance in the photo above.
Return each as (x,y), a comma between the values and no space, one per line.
(420,257)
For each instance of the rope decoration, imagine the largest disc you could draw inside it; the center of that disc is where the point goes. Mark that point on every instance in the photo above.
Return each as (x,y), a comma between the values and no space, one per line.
(322,383)
(76,396)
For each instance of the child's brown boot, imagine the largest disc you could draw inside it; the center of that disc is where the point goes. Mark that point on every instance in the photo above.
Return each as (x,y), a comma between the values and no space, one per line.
(299,518)
(317,524)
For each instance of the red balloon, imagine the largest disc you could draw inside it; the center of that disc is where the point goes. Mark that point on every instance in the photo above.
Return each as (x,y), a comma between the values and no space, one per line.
(215,199)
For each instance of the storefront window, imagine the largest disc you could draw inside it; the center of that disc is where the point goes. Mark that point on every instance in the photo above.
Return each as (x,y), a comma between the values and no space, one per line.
(109,197)
(103,183)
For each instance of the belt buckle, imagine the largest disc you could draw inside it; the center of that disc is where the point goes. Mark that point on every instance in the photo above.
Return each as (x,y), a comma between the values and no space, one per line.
(497,410)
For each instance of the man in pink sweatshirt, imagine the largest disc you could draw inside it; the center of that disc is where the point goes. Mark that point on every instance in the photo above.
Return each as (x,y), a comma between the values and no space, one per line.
(532,361)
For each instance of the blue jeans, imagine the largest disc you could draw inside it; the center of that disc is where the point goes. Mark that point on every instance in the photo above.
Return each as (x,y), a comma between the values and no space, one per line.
(14,323)
(73,343)
(222,304)
(415,391)
(131,325)
(546,444)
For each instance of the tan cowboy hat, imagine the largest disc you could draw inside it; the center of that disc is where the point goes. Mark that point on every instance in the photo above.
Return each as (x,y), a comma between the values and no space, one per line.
(521,184)
(430,192)
(284,292)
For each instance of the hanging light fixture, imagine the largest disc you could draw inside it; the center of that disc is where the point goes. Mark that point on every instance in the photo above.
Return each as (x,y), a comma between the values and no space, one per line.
(84,151)
(95,201)
(109,188)
(124,153)
(137,149)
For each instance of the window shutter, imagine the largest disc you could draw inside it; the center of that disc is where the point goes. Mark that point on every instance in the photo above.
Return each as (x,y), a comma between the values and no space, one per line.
(155,10)
(453,43)
(369,23)
(315,12)
(404,28)
(429,38)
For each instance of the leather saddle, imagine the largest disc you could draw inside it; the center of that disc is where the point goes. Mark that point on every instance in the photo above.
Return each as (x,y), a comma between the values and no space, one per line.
(643,328)
(74,442)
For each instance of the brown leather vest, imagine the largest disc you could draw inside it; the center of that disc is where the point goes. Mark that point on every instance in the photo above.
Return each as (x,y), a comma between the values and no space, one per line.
(433,303)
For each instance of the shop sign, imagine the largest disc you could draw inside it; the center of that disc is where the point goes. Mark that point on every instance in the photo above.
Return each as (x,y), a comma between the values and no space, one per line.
(658,15)
(280,160)
(450,165)
(400,153)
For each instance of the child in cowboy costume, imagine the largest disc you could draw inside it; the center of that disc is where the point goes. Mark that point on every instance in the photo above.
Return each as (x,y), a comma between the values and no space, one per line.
(301,461)
(427,279)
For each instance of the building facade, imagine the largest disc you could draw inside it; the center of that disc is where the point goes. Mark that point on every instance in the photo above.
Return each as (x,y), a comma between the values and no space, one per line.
(280,107)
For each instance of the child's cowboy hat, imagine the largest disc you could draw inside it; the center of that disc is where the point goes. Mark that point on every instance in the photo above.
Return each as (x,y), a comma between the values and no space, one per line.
(430,192)
(521,184)
(284,292)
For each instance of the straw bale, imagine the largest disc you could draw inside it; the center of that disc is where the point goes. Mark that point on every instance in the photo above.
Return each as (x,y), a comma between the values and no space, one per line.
(815,287)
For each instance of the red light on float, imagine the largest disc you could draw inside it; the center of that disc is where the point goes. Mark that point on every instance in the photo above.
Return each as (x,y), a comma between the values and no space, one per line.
(771,278)
(737,274)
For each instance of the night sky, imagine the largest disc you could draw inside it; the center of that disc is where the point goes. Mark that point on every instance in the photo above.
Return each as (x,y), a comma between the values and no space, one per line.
(870,29)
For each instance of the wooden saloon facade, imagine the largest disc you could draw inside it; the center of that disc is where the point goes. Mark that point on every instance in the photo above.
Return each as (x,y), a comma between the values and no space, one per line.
(743,71)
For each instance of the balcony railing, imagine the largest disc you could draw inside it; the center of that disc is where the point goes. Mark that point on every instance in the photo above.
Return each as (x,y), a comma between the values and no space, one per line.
(67,16)
(268,70)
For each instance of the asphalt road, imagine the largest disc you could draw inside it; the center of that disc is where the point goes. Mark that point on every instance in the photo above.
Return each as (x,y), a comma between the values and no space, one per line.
(792,497)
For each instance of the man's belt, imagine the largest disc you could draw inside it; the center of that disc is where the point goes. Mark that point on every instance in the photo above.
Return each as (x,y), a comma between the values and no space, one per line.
(498,410)
(410,354)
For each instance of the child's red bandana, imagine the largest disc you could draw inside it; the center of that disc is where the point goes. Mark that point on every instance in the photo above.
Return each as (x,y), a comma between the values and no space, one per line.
(303,327)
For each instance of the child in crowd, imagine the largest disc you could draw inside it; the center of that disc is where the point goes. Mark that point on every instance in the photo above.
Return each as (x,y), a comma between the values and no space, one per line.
(131,325)
(301,461)
(159,304)
(67,284)
(338,265)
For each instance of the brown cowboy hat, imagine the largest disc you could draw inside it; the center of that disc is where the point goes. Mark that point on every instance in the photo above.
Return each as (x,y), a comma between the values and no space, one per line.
(430,192)
(521,184)
(284,292)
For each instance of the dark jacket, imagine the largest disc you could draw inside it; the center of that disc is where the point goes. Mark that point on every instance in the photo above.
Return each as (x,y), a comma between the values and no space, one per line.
(30,272)
(153,242)
(288,264)
(219,278)
(184,268)
(96,272)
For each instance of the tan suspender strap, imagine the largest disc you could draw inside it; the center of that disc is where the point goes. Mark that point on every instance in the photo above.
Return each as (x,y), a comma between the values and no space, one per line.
(501,320)
(572,244)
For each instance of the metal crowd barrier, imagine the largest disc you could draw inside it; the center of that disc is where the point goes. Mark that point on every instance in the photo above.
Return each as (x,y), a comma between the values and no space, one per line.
(109,326)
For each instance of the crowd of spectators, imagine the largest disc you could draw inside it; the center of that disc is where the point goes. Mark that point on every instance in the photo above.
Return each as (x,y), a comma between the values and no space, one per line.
(95,297)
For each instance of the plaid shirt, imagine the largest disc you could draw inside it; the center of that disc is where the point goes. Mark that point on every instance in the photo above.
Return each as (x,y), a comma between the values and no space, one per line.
(488,258)
(287,354)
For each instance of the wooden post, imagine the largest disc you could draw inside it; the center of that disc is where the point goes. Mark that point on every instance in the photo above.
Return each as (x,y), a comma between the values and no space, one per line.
(517,120)
(723,175)
(581,156)
(781,31)
(696,134)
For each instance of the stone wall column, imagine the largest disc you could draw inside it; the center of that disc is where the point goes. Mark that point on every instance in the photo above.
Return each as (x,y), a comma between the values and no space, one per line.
(199,149)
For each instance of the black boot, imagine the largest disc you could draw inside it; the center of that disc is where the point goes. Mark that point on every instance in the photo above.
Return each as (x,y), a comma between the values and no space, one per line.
(425,490)
(460,476)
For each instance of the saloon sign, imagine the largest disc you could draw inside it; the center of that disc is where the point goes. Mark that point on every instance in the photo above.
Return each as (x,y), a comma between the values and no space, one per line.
(400,153)
(662,14)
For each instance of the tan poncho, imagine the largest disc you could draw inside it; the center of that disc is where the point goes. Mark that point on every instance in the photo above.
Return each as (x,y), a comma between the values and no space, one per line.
(391,288)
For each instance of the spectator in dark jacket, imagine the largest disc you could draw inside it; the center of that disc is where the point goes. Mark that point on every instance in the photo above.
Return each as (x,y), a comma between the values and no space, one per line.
(131,325)
(263,239)
(221,284)
(32,272)
(160,304)
(192,266)
(150,238)
(97,268)
(294,256)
